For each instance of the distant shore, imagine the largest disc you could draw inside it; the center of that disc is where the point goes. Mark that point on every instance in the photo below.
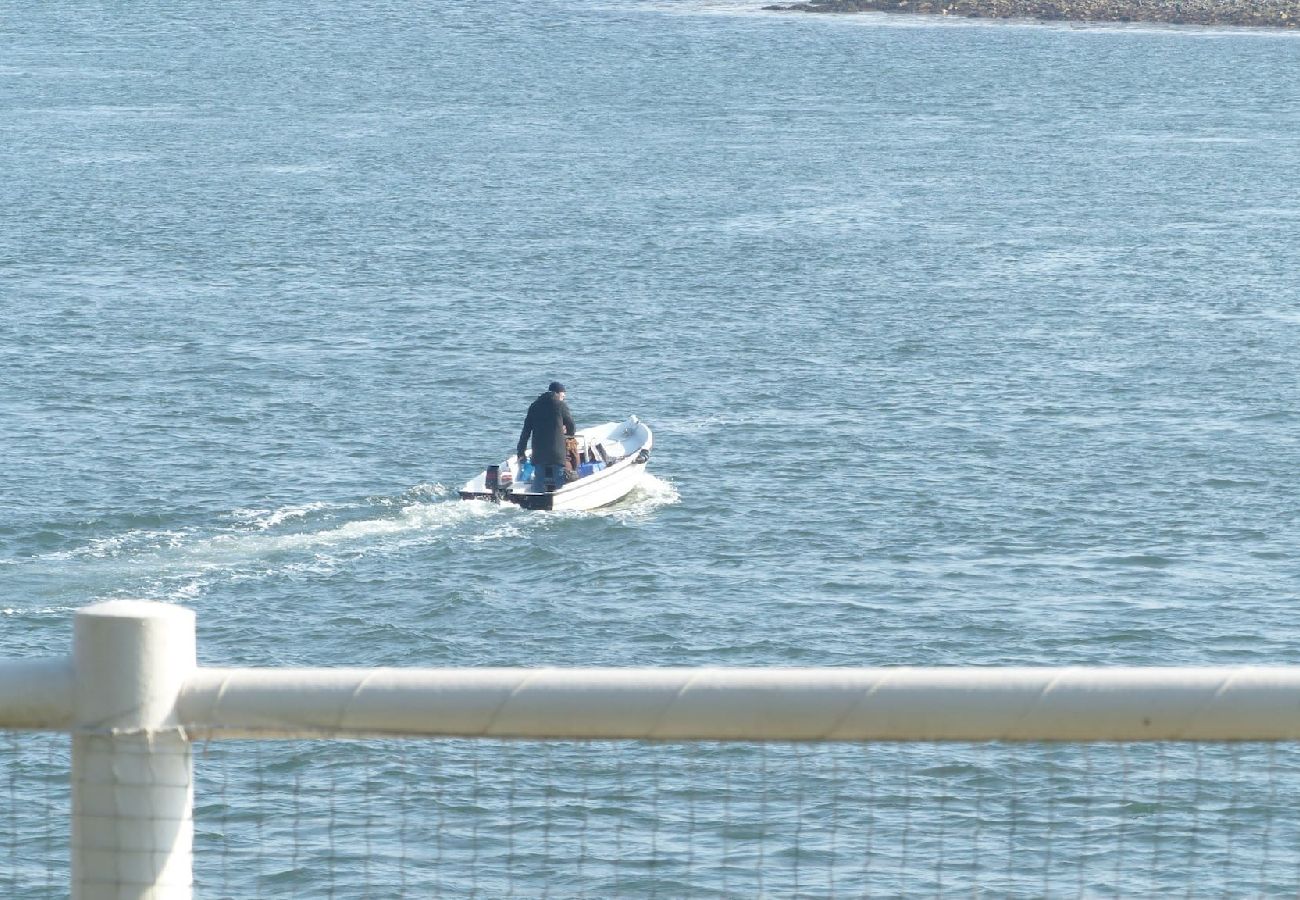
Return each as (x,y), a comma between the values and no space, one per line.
(1247,13)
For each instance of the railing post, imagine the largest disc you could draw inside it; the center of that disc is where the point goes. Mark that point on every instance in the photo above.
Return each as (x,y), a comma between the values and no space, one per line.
(132,772)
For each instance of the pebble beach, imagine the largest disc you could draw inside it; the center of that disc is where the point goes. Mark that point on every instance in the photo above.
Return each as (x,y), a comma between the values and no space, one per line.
(1243,13)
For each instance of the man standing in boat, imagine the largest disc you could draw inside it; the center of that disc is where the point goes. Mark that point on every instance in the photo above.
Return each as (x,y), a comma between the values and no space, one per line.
(549,422)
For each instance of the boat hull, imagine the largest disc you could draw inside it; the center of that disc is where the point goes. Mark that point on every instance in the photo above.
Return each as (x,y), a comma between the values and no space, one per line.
(626,445)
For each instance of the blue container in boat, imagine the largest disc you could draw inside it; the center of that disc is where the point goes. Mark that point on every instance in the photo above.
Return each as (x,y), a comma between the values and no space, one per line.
(526,473)
(590,468)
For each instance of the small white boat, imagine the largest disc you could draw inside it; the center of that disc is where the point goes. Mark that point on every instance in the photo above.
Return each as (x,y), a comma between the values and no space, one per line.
(614,456)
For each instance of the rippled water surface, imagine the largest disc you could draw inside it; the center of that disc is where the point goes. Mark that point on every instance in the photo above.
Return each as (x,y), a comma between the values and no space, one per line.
(963,343)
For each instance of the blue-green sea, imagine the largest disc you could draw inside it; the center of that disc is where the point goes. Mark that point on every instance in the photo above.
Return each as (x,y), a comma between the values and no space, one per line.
(963,343)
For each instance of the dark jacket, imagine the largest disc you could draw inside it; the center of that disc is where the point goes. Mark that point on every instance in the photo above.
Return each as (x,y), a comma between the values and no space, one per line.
(548,422)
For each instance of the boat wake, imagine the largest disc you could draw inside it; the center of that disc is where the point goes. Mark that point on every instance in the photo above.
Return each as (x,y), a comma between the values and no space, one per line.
(649,496)
(299,540)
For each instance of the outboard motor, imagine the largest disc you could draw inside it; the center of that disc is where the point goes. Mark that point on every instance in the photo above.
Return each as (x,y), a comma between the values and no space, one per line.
(492,482)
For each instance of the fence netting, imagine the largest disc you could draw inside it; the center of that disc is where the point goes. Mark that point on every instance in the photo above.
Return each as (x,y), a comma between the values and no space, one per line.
(475,818)
(34,769)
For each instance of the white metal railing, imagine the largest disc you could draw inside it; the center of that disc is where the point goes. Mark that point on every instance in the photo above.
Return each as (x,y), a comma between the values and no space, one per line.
(134,700)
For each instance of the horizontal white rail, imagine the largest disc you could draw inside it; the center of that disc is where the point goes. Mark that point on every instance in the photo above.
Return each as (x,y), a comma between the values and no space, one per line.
(37,694)
(829,704)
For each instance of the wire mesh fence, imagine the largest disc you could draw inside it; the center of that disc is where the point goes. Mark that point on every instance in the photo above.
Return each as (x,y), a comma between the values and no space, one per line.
(706,782)
(34,767)
(462,818)
(481,818)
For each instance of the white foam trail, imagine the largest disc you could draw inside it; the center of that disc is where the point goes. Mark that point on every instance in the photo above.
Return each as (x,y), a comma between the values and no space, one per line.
(436,491)
(263,519)
(180,566)
(119,545)
(38,611)
(416,520)
(651,494)
(684,426)
(500,533)
(184,574)
(190,589)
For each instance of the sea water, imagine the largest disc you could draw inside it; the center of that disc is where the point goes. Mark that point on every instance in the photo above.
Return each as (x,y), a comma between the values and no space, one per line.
(962,342)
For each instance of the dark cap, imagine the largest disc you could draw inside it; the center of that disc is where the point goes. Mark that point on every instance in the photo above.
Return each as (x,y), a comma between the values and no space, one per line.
(556,388)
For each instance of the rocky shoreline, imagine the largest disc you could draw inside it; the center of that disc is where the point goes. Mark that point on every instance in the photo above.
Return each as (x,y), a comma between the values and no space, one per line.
(1247,13)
